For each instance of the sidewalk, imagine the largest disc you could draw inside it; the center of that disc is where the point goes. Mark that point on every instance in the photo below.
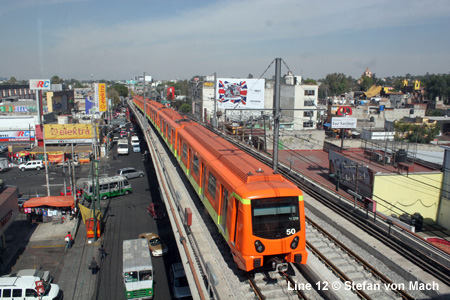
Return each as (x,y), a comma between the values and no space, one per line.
(43,247)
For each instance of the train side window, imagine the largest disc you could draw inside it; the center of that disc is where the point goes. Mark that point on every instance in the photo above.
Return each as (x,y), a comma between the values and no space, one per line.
(185,152)
(195,165)
(212,186)
(169,135)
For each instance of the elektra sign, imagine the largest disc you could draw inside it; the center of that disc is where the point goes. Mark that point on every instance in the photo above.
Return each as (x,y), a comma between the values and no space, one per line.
(40,84)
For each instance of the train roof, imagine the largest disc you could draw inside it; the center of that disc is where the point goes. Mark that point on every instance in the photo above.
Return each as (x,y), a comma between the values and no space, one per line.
(247,168)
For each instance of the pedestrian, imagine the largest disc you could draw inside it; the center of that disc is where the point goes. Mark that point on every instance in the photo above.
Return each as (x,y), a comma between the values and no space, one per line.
(69,240)
(102,252)
(93,266)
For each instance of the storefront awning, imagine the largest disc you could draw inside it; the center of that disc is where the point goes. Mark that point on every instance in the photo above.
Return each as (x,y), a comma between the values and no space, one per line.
(53,201)
(60,149)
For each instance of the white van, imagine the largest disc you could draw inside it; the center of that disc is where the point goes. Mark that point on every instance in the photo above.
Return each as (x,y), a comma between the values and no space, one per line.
(134,140)
(122,146)
(24,287)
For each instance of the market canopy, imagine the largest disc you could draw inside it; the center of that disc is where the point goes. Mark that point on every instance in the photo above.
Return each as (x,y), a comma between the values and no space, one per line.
(53,201)
(87,213)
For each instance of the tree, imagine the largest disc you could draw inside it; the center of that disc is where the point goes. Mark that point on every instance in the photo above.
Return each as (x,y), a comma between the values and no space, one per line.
(337,84)
(56,80)
(121,89)
(366,83)
(415,133)
(185,108)
(438,86)
(113,94)
(12,80)
(309,81)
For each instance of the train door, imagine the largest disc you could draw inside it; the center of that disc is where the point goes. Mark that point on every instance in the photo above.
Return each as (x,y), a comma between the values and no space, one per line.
(235,221)
(223,208)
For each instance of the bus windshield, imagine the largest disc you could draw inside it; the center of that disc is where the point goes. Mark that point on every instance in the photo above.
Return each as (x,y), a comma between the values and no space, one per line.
(275,218)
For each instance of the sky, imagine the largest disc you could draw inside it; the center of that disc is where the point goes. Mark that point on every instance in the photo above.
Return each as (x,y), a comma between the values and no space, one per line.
(179,39)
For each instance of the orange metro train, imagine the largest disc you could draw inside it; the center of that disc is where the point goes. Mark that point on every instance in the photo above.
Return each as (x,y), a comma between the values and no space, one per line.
(260,214)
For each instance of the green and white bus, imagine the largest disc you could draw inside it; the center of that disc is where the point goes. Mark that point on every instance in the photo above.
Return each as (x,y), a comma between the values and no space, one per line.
(137,269)
(108,187)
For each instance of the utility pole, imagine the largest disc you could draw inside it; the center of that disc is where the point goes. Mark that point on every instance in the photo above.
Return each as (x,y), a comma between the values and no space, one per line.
(41,120)
(276,113)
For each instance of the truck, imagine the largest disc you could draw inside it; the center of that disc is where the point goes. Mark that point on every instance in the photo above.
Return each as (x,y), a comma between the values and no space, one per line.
(122,146)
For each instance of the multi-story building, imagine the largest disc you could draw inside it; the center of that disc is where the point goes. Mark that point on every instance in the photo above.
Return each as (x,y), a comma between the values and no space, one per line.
(295,99)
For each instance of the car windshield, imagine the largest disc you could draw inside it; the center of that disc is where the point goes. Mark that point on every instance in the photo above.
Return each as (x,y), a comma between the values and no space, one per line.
(155,242)
(181,281)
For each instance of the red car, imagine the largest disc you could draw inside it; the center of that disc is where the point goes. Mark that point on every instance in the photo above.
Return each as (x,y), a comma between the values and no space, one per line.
(156,210)
(123,134)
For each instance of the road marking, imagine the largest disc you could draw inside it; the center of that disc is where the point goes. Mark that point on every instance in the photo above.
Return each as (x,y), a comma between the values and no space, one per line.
(51,246)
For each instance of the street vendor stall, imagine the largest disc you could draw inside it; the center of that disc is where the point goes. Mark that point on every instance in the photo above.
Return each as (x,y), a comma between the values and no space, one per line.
(58,154)
(49,209)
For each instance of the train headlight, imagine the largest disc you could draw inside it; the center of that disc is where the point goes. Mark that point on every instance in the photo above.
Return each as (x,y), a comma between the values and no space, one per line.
(259,246)
(294,243)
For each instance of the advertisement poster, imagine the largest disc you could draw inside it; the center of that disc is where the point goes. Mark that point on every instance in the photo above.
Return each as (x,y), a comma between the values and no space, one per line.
(240,93)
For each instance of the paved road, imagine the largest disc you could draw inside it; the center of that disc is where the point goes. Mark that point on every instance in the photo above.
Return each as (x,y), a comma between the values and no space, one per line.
(125,218)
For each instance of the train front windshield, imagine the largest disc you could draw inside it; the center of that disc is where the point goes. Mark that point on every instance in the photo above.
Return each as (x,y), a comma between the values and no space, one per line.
(275,218)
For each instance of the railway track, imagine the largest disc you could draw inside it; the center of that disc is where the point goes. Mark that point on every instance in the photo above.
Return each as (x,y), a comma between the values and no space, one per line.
(430,261)
(268,280)
(276,285)
(349,267)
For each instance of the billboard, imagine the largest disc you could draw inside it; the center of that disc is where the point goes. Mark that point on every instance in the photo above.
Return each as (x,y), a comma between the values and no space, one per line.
(240,93)
(89,105)
(102,97)
(16,136)
(343,122)
(40,84)
(68,131)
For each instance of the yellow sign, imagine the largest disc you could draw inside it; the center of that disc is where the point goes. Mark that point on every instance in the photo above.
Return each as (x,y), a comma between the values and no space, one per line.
(208,84)
(68,131)
(101,97)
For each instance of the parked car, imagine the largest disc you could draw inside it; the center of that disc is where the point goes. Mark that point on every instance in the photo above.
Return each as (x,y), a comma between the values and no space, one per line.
(155,244)
(130,173)
(178,281)
(156,210)
(3,149)
(32,165)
